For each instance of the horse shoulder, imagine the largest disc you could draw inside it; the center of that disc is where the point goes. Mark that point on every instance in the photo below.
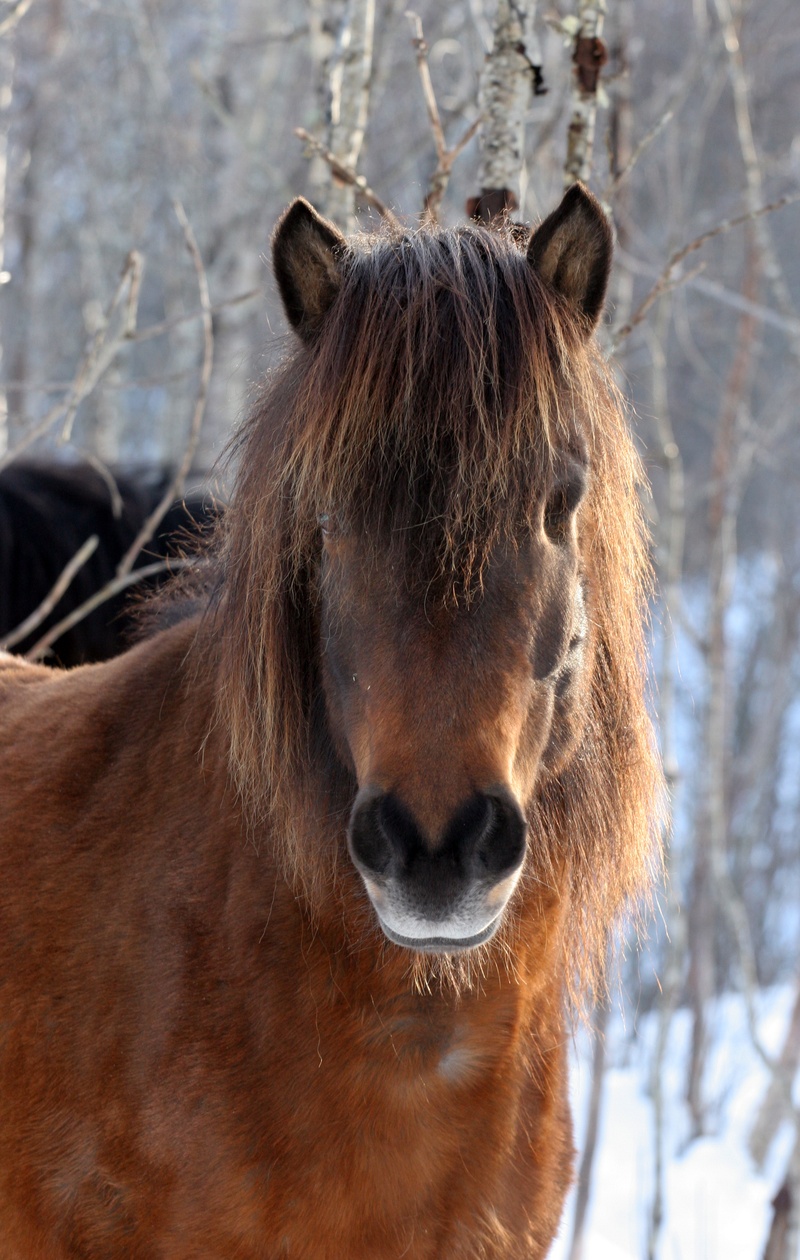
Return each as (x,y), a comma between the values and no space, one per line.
(15,669)
(121,741)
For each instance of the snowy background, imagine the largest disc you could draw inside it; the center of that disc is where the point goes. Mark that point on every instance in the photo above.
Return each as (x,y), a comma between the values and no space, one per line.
(716,1202)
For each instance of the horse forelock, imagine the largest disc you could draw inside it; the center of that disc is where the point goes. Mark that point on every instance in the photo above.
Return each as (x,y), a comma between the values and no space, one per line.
(432,400)
(445,383)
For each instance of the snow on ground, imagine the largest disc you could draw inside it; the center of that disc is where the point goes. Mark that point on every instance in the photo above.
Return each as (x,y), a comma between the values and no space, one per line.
(717,1204)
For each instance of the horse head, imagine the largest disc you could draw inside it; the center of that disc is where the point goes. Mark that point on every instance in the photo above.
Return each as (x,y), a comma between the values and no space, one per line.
(450,712)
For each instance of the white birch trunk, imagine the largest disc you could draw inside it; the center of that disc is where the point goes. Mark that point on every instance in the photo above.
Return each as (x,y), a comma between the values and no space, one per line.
(351,75)
(236,266)
(324,18)
(7,61)
(511,75)
(671,548)
(588,58)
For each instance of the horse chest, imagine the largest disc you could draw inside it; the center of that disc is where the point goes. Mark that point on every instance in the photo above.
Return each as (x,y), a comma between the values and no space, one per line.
(403,1119)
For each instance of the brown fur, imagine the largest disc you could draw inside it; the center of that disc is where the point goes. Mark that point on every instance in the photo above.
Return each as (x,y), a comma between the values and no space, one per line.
(207,1047)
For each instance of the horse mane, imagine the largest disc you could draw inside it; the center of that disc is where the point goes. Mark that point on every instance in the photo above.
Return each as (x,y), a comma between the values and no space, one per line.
(445,382)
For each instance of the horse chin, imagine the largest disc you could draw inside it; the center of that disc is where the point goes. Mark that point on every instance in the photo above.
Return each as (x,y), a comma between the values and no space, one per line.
(468,925)
(441,944)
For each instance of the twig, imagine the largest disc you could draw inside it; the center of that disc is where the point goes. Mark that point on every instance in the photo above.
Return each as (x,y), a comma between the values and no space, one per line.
(599,1027)
(444,157)
(642,146)
(421,49)
(112,588)
(175,487)
(461,144)
(105,345)
(167,325)
(18,12)
(50,600)
(712,289)
(666,279)
(672,529)
(752,163)
(110,481)
(771,1111)
(347,175)
(96,360)
(782,1239)
(143,334)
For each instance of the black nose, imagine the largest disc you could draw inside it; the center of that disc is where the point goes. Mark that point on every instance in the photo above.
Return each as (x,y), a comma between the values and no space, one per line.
(484,838)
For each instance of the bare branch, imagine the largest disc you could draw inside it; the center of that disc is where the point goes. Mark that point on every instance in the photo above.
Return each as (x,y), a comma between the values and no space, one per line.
(772,1110)
(107,341)
(350,82)
(667,278)
(167,325)
(112,588)
(143,334)
(599,1028)
(643,145)
(752,164)
(175,487)
(102,470)
(17,13)
(347,175)
(712,289)
(50,600)
(96,361)
(445,157)
(671,547)
(421,49)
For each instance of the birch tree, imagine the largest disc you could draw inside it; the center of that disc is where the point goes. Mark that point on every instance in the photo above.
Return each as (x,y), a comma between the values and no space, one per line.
(350,78)
(10,16)
(589,57)
(512,75)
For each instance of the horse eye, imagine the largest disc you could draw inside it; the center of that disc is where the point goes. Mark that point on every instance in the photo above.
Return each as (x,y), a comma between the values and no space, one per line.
(562,505)
(325,522)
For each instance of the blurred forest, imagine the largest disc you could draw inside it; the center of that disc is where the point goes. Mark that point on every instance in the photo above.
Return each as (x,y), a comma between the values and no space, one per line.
(132,129)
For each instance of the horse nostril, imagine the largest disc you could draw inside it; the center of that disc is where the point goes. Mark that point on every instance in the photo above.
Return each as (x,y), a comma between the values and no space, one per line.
(485,838)
(470,832)
(382,832)
(488,834)
(369,847)
(399,828)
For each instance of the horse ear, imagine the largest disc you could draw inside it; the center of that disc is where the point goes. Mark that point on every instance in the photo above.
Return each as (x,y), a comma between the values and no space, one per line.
(572,249)
(305,257)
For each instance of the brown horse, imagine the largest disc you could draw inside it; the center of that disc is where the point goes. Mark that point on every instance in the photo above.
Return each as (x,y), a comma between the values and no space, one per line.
(293,896)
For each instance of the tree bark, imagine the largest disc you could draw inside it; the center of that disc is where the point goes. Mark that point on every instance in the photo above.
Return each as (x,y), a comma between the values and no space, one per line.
(785,1227)
(670,543)
(6,84)
(592,1129)
(588,58)
(773,1108)
(711,839)
(511,76)
(350,79)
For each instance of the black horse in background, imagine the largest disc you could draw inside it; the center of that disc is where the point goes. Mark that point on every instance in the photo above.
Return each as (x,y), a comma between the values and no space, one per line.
(47,512)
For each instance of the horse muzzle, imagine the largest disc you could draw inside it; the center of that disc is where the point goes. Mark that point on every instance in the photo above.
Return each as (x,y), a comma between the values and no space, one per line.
(442,896)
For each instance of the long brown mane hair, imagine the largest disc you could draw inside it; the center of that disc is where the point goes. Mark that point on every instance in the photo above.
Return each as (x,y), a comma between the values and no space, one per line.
(445,381)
